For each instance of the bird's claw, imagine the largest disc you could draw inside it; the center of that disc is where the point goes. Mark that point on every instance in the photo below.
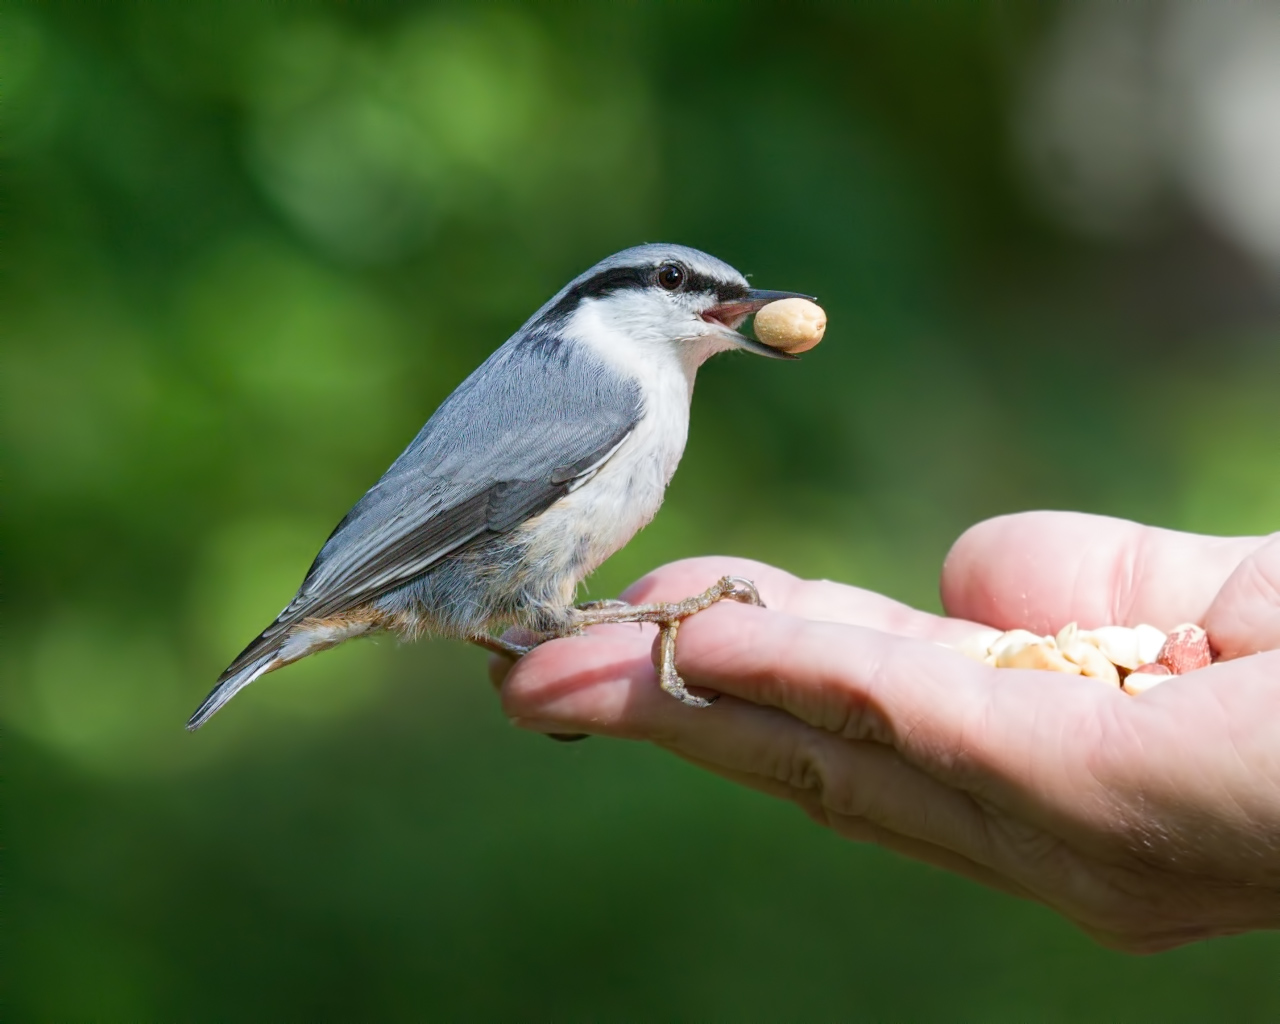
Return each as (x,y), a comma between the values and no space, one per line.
(667,617)
(741,589)
(668,678)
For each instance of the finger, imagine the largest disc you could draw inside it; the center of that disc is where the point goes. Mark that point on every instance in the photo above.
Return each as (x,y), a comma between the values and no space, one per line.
(582,683)
(864,790)
(613,690)
(1006,735)
(1041,570)
(1245,616)
(498,665)
(860,830)
(820,600)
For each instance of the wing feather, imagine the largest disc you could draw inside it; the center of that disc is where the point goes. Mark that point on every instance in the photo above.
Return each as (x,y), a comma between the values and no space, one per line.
(511,440)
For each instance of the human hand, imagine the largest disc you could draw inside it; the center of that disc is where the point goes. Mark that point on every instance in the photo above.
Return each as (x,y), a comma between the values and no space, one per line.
(1149,821)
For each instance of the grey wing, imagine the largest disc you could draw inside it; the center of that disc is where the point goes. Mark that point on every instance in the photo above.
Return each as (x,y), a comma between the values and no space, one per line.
(503,447)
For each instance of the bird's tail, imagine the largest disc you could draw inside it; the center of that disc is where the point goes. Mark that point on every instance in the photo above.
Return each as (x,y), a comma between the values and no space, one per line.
(288,639)
(243,671)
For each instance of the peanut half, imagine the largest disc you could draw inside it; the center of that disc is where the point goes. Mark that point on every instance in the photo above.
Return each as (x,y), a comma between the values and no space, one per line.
(1186,650)
(1144,677)
(792,325)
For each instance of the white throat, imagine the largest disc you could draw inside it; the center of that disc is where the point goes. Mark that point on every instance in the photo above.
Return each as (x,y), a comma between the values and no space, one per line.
(643,339)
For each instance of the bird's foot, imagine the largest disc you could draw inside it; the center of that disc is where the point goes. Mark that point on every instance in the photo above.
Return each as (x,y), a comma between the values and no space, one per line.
(668,616)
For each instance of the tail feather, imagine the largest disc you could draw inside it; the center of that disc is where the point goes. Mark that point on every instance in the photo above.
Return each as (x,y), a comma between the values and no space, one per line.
(235,679)
(285,641)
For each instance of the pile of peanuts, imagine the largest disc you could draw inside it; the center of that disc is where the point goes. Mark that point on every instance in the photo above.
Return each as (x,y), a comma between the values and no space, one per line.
(1135,659)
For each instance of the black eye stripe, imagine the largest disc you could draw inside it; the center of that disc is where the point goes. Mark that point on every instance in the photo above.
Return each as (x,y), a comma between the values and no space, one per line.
(725,291)
(606,282)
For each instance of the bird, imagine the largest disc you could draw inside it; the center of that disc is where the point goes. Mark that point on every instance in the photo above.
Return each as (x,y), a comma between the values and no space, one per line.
(542,463)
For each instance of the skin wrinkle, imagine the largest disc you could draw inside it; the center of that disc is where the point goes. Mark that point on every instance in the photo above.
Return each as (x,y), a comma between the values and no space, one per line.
(808,769)
(1028,851)
(1130,568)
(864,719)
(1089,897)
(831,710)
(1241,763)
(1080,567)
(1140,825)
(1185,897)
(861,831)
(964,767)
(1136,811)
(1027,856)
(1265,844)
(1097,764)
(839,794)
(784,759)
(833,716)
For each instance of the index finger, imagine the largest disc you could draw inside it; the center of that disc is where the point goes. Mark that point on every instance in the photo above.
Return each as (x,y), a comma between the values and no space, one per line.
(815,600)
(998,733)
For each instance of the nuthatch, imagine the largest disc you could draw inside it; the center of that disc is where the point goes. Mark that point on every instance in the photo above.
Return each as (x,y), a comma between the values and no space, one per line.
(543,463)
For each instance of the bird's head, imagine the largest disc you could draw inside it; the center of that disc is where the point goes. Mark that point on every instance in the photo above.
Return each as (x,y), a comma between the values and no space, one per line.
(661,298)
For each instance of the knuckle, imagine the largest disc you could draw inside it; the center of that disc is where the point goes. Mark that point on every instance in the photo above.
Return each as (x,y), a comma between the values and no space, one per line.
(802,768)
(809,769)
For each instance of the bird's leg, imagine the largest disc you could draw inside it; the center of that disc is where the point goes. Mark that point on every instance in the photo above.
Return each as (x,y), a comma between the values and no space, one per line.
(668,617)
(598,613)
(604,602)
(496,645)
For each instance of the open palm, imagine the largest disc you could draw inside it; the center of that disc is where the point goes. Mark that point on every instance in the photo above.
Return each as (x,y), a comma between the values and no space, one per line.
(1149,821)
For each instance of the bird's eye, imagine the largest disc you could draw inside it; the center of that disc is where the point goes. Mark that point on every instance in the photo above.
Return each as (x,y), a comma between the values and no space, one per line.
(671,276)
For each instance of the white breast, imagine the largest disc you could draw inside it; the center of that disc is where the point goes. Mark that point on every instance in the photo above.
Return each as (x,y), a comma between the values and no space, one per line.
(608,508)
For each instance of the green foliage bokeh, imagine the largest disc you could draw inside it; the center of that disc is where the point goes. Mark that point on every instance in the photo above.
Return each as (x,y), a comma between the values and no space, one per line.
(250,247)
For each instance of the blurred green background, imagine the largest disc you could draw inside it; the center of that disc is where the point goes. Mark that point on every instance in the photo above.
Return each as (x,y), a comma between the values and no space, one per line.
(250,247)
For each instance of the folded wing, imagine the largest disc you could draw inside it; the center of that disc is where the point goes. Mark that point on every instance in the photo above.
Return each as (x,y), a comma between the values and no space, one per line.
(503,447)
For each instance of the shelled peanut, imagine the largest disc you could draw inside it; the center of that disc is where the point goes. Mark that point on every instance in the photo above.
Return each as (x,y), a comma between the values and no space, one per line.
(1133,658)
(792,325)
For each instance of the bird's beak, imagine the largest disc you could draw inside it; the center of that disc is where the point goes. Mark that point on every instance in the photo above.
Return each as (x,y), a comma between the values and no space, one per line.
(729,316)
